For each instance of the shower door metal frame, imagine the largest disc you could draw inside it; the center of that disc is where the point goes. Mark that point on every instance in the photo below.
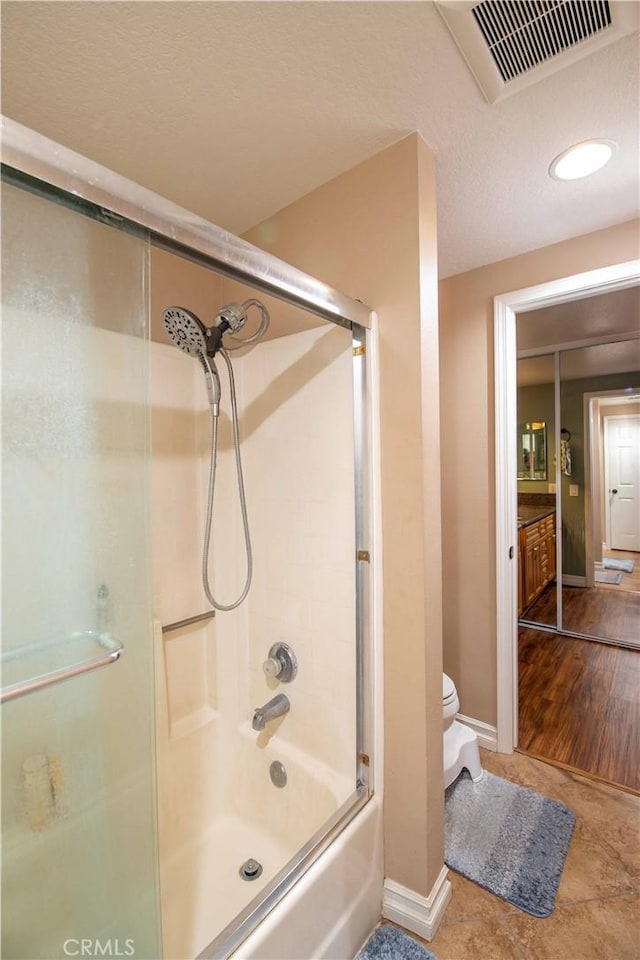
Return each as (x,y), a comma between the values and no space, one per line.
(170,225)
(41,165)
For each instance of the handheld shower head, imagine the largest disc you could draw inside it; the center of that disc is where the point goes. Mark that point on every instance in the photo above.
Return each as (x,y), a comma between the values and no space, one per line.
(185,330)
(189,334)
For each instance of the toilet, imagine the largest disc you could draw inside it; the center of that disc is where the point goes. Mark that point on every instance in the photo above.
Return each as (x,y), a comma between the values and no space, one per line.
(460,742)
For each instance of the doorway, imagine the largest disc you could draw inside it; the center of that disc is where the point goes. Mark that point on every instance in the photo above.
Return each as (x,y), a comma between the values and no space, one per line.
(579,681)
(506,309)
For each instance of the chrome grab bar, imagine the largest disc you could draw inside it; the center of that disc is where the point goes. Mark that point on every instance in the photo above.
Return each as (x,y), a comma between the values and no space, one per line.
(114,652)
(189,620)
(31,685)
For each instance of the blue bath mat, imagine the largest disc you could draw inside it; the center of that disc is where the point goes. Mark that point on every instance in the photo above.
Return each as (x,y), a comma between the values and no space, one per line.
(610,563)
(509,840)
(388,943)
(607,576)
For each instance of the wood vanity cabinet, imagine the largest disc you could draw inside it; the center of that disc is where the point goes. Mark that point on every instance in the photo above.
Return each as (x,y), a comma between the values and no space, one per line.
(537,556)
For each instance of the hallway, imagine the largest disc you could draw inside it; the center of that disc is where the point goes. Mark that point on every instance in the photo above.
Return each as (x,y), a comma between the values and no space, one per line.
(580,705)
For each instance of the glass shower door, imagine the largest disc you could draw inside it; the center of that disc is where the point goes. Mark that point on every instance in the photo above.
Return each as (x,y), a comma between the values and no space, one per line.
(79,859)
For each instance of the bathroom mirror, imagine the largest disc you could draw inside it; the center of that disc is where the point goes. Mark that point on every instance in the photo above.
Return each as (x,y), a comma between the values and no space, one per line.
(532,450)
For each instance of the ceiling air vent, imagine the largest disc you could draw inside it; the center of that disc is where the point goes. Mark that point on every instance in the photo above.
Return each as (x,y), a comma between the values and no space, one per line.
(510,44)
(522,35)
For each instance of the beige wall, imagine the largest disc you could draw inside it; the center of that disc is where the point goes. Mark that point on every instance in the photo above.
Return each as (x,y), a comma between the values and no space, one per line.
(467,431)
(371,234)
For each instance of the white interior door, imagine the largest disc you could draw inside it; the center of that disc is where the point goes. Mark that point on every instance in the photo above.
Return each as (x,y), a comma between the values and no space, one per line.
(622,481)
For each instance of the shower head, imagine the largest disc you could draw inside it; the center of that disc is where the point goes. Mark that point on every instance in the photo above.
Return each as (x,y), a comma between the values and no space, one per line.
(185,330)
(189,333)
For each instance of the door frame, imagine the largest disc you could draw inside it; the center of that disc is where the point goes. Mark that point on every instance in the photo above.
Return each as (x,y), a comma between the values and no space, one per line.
(506,307)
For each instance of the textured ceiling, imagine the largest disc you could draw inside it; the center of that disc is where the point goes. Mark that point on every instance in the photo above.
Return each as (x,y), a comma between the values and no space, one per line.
(236,109)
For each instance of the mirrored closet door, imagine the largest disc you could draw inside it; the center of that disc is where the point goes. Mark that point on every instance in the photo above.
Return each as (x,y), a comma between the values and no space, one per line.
(579,477)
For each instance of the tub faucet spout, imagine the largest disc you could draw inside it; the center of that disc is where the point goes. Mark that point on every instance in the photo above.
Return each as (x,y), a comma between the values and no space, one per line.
(276,707)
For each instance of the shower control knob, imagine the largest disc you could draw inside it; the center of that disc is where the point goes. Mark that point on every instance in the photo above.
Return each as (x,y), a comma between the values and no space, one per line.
(272,668)
(281,663)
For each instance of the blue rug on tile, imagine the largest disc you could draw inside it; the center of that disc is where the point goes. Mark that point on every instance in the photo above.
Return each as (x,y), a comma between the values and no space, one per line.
(612,563)
(389,943)
(509,840)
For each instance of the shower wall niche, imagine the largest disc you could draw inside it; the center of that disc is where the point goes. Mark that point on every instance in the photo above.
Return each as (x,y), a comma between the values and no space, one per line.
(218,805)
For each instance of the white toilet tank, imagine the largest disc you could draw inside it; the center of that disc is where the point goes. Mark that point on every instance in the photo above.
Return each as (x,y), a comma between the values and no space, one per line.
(450,702)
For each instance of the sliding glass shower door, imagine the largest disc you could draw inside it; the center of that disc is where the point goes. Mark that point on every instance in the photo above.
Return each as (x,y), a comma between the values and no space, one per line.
(242,807)
(79,871)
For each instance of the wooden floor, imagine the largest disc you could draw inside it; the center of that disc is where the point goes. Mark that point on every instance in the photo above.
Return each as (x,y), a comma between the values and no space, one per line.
(598,612)
(580,705)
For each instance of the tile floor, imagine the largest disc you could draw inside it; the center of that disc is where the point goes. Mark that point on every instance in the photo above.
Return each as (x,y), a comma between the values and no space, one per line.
(597,914)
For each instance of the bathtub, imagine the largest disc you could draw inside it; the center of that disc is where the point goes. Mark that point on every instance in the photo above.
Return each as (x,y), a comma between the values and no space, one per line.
(333,908)
(201,887)
(218,808)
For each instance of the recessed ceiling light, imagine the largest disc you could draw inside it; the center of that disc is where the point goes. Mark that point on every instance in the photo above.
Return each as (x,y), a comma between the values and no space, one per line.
(582,159)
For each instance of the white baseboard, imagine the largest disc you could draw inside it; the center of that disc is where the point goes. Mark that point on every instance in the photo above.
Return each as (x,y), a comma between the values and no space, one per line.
(487,735)
(571,580)
(421,915)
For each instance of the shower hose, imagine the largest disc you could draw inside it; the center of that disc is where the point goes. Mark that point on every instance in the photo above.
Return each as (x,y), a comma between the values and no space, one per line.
(212,482)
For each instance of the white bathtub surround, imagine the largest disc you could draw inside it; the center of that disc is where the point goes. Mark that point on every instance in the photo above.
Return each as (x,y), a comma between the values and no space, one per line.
(299,474)
(217,804)
(421,915)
